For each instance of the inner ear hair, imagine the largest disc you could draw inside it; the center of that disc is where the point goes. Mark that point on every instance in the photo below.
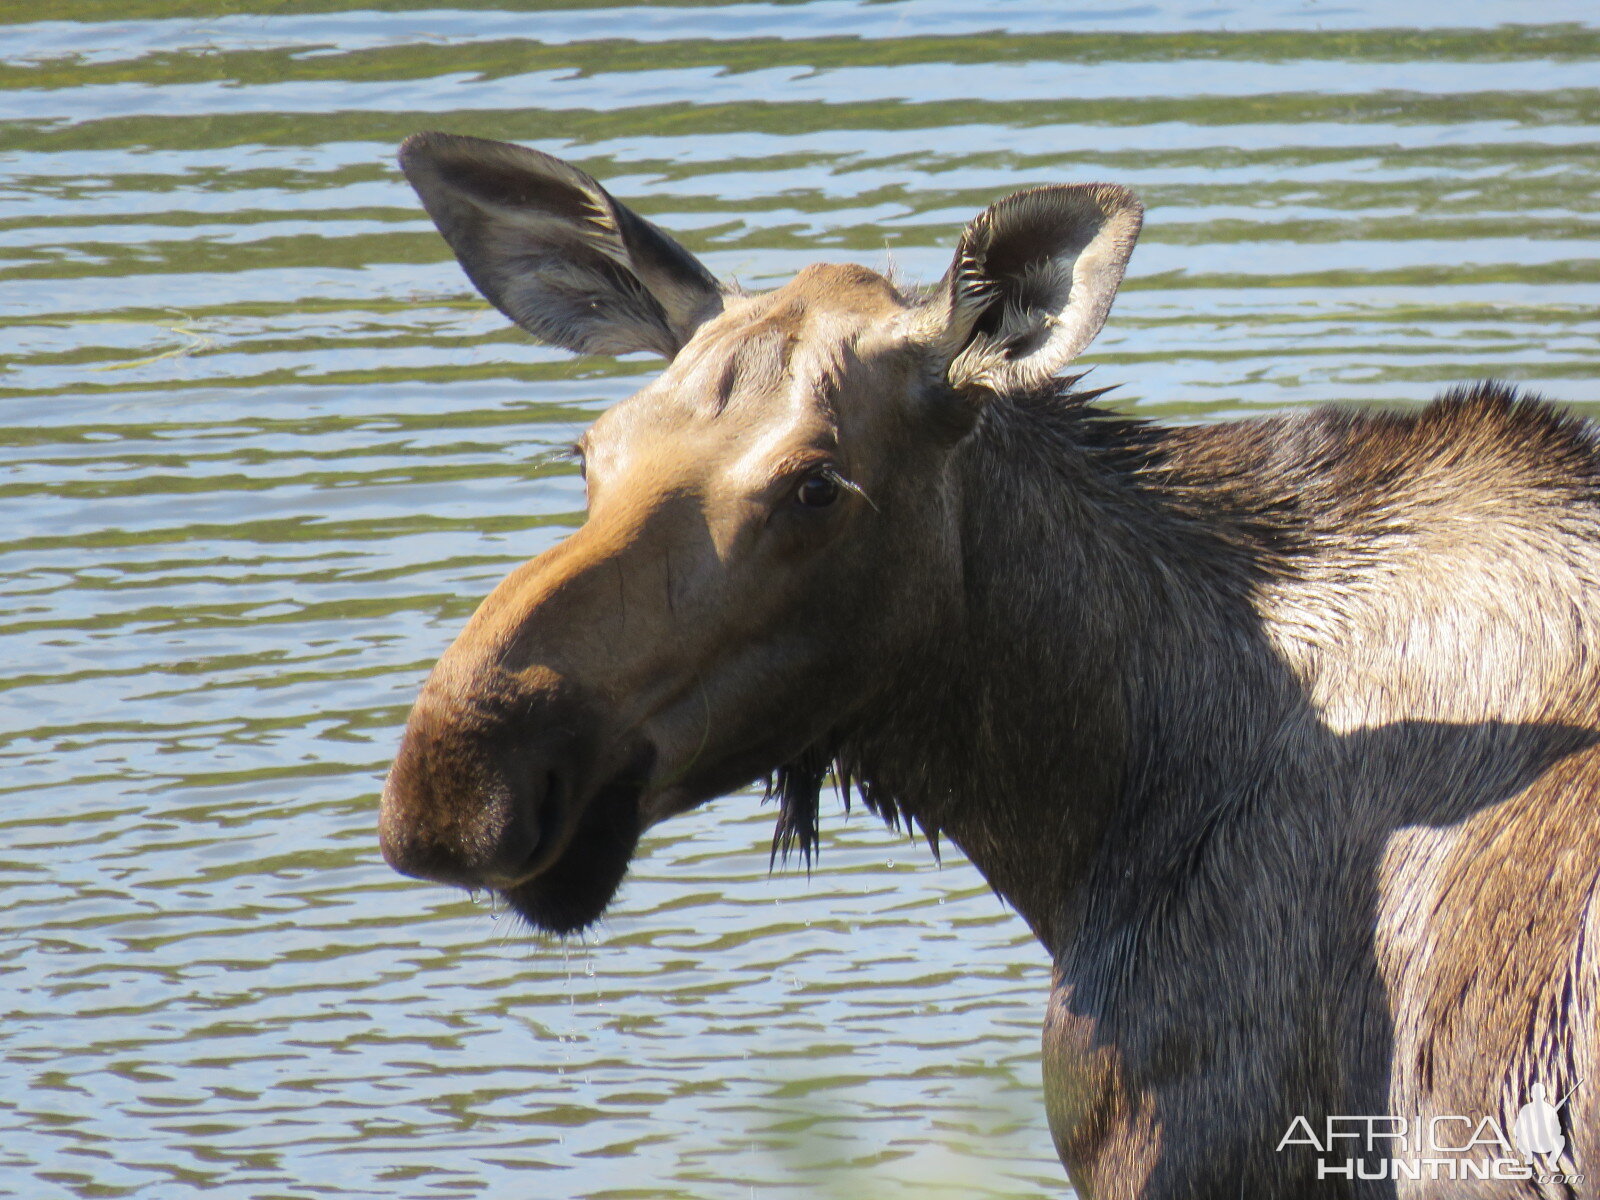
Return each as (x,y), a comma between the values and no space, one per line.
(1032,282)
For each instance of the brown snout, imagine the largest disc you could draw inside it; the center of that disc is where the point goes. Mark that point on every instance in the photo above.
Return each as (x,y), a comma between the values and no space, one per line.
(518,770)
(485,789)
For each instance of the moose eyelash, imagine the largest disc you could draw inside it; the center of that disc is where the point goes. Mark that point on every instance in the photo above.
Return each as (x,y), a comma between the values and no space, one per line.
(847,485)
(569,454)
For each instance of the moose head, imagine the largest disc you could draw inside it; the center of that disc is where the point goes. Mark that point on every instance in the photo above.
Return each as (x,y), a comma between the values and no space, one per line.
(774,538)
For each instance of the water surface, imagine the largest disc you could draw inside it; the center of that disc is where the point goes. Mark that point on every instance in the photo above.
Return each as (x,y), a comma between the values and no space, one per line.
(262,449)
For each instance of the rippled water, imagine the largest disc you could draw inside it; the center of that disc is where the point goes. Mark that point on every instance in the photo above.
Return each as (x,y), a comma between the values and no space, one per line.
(263,449)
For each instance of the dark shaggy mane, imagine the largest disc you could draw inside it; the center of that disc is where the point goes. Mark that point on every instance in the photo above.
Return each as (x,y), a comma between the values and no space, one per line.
(1254,500)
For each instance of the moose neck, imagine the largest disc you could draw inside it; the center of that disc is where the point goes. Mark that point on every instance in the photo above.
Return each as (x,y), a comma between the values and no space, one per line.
(1107,640)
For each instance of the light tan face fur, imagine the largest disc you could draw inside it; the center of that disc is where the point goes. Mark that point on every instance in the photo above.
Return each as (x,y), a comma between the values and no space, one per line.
(660,608)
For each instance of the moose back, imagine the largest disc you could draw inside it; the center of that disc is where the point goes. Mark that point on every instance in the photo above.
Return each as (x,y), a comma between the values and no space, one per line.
(1279,733)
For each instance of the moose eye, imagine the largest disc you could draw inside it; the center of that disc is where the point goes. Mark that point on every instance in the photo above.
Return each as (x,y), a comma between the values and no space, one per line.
(818,491)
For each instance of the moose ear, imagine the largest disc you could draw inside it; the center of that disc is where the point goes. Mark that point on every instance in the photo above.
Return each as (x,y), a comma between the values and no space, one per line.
(552,250)
(1032,281)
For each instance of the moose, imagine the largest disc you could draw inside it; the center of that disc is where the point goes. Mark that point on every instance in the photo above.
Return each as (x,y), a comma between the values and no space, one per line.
(1280,733)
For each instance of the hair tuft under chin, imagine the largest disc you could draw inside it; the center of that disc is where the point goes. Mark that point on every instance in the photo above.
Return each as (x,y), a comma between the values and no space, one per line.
(797,787)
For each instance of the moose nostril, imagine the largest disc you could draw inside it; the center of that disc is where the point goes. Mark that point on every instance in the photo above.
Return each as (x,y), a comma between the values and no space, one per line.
(548,817)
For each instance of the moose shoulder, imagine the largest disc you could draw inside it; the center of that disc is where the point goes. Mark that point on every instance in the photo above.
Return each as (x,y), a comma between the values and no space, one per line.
(1280,733)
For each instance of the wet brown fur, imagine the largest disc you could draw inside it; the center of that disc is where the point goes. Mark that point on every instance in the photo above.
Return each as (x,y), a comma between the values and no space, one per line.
(1267,896)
